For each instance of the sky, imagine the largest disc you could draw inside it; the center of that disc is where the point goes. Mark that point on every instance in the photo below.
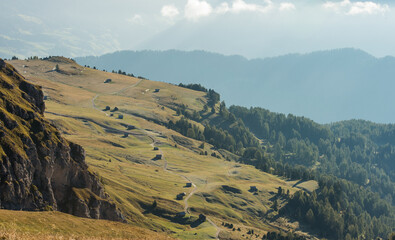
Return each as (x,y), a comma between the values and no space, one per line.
(251,28)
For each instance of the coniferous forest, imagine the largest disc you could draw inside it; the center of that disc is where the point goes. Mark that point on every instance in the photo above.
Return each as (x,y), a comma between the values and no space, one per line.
(353,162)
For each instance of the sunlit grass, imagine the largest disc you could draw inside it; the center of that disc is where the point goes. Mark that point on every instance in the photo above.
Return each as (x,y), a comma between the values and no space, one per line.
(125,165)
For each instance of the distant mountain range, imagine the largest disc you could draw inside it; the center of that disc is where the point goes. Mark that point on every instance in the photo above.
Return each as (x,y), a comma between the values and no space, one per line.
(326,86)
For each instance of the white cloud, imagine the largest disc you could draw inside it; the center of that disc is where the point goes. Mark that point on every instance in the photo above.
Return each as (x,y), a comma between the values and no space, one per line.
(136,19)
(194,9)
(169,11)
(241,6)
(7,37)
(368,7)
(24,32)
(355,8)
(223,8)
(286,6)
(30,19)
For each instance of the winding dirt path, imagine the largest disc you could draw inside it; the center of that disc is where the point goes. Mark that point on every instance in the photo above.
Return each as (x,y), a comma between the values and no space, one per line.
(186,205)
(154,142)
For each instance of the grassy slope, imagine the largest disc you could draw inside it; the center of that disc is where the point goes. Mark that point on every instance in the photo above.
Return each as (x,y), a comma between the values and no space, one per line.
(56,225)
(131,178)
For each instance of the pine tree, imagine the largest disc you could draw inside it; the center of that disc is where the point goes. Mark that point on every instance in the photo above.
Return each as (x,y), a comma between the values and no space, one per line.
(275,205)
(310,216)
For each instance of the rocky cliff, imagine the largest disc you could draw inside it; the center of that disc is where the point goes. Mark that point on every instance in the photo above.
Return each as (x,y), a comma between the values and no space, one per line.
(39,169)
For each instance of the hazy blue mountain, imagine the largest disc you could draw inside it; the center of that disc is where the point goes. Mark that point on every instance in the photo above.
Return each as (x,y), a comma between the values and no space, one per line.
(326,86)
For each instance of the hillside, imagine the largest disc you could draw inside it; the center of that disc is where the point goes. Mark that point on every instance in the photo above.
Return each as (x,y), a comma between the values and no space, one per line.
(120,124)
(50,225)
(40,170)
(176,159)
(325,86)
(42,173)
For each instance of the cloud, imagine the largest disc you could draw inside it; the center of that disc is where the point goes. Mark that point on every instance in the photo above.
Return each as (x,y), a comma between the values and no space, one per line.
(30,19)
(222,8)
(7,37)
(169,11)
(286,6)
(24,32)
(241,6)
(355,8)
(136,19)
(368,7)
(195,9)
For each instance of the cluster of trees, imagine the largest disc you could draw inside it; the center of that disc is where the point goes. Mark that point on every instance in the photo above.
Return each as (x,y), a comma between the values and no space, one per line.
(352,160)
(121,72)
(218,137)
(281,236)
(232,137)
(226,125)
(194,86)
(186,128)
(33,58)
(342,210)
(222,130)
(182,109)
(356,150)
(269,125)
(212,98)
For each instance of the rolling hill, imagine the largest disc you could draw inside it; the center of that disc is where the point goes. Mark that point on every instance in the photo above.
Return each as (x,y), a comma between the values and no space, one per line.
(326,86)
(176,160)
(143,165)
(43,174)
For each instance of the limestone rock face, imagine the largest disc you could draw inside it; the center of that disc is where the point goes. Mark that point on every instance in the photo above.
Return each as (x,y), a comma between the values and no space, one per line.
(39,169)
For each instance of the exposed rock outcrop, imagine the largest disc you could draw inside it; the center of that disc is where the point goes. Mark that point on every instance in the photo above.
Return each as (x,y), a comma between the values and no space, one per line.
(39,169)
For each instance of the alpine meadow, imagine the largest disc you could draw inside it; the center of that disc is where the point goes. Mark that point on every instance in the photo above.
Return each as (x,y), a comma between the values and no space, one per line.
(197,119)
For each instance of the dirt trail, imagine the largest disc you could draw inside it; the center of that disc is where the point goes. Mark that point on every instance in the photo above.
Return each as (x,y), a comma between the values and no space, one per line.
(186,208)
(186,205)
(216,227)
(154,142)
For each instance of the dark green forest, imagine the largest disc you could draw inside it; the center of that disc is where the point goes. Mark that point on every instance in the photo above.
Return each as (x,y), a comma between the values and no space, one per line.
(353,162)
(356,150)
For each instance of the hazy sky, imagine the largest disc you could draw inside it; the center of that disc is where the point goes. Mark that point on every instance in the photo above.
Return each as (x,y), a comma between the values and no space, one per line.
(252,28)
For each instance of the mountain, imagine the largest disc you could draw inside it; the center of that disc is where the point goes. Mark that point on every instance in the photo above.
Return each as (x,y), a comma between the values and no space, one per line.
(40,170)
(143,164)
(326,86)
(176,160)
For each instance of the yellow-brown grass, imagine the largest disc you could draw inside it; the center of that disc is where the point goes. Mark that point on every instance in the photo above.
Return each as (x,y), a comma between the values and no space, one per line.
(125,165)
(56,225)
